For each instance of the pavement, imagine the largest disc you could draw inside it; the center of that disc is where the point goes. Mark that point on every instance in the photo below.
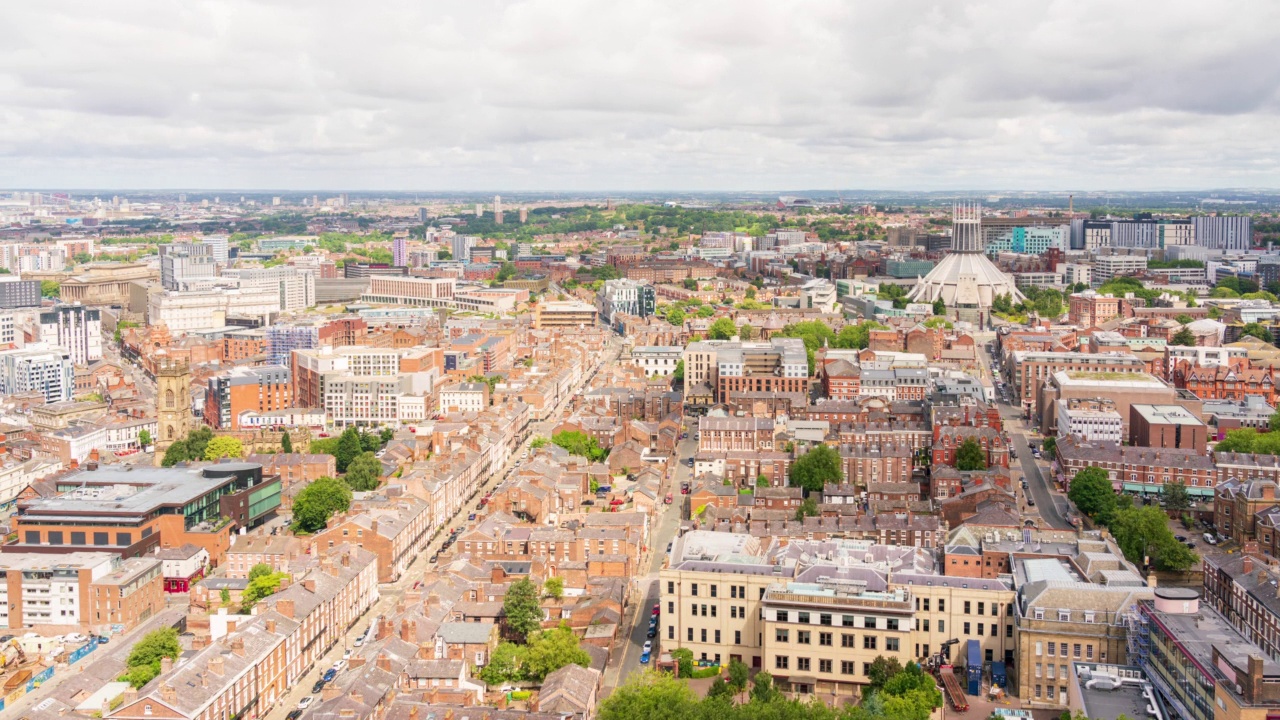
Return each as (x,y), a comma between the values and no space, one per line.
(390,594)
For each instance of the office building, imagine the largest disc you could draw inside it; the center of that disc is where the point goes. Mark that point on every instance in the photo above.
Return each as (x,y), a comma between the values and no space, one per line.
(780,365)
(657,360)
(79,591)
(400,250)
(185,265)
(354,271)
(461,246)
(18,293)
(1166,426)
(295,287)
(193,311)
(364,400)
(1089,419)
(413,291)
(260,389)
(39,368)
(566,313)
(76,328)
(625,297)
(1106,267)
(1227,232)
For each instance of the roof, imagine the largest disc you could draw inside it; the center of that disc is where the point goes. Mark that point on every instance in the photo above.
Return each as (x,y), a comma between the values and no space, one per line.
(466,633)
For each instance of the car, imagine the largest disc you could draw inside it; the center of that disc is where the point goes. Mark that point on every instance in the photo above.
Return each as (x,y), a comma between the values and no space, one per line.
(1031,501)
(102,640)
(317,687)
(347,655)
(657,610)
(644,657)
(653,631)
(435,558)
(648,646)
(294,714)
(1208,537)
(1180,538)
(360,640)
(472,516)
(306,702)
(329,674)
(670,545)
(340,666)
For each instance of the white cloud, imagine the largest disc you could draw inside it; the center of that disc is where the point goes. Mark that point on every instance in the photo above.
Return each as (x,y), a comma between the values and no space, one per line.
(649,94)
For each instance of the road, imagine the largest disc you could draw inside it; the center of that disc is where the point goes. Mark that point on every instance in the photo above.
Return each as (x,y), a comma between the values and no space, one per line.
(391,593)
(636,618)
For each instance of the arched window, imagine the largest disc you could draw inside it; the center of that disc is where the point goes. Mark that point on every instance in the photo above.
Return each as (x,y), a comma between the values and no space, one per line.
(168,399)
(168,432)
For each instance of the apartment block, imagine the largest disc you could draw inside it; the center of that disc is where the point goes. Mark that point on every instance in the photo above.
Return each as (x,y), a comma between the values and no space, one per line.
(246,389)
(75,328)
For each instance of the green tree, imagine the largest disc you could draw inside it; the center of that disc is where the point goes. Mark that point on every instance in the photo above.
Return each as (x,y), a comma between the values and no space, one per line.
(538,442)
(50,288)
(506,664)
(1143,534)
(364,472)
(1274,423)
(144,439)
(1240,441)
(1184,318)
(580,444)
(521,608)
(225,596)
(684,662)
(1176,497)
(722,329)
(939,307)
(260,587)
(689,284)
(1050,447)
(815,468)
(554,587)
(705,311)
(286,444)
(720,690)
(318,501)
(387,434)
(651,696)
(678,375)
(808,508)
(970,456)
(223,447)
(881,670)
(762,689)
(1184,337)
(739,674)
(857,337)
(1258,331)
(143,662)
(259,570)
(550,650)
(675,316)
(349,447)
(1093,494)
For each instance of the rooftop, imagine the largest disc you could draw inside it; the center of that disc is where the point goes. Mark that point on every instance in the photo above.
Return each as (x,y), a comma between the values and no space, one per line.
(1167,415)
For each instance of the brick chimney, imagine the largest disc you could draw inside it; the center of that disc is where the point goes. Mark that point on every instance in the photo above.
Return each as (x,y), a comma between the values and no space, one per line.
(309,585)
(384,662)
(284,606)
(231,625)
(497,575)
(130,695)
(271,625)
(284,583)
(217,665)
(408,630)
(346,560)
(384,629)
(168,693)
(1247,567)
(237,646)
(93,455)
(356,695)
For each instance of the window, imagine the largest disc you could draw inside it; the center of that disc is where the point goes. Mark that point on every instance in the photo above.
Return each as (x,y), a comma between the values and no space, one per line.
(824,666)
(1008,631)
(695,590)
(824,639)
(993,630)
(1088,652)
(942,604)
(847,640)
(824,619)
(714,589)
(942,626)
(802,637)
(982,630)
(781,635)
(671,587)
(893,623)
(966,607)
(847,667)
(1063,648)
(782,616)
(1040,648)
(802,618)
(926,604)
(846,621)
(802,664)
(77,538)
(924,624)
(868,642)
(55,537)
(704,634)
(1051,646)
(733,591)
(1040,669)
(1088,616)
(33,537)
(737,637)
(782,662)
(695,609)
(868,622)
(1039,613)
(124,539)
(1039,692)
(966,628)
(671,606)
(671,632)
(717,636)
(1075,650)
(1064,616)
(713,610)
(690,634)
(742,592)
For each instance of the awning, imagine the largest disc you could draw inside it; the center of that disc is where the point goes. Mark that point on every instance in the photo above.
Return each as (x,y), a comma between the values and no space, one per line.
(1200,491)
(1142,488)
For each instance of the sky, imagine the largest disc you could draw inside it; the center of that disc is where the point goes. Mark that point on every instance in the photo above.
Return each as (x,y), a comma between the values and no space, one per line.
(699,95)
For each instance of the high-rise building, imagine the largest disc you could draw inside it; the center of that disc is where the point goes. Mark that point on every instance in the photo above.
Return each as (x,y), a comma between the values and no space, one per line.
(218,247)
(462,245)
(479,209)
(76,328)
(524,214)
(497,209)
(184,264)
(966,280)
(1223,232)
(18,293)
(297,287)
(39,368)
(261,389)
(400,250)
(625,297)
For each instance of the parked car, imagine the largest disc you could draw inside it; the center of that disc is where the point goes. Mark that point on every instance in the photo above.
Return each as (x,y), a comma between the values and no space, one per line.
(653,631)
(317,687)
(668,499)
(329,674)
(1180,538)
(340,666)
(306,702)
(1208,537)
(1031,501)
(294,714)
(472,516)
(347,655)
(657,610)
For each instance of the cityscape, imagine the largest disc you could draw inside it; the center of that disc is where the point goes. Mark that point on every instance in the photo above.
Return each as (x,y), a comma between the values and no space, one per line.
(527,361)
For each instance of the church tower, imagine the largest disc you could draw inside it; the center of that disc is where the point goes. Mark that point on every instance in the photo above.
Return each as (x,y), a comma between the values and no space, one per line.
(173,404)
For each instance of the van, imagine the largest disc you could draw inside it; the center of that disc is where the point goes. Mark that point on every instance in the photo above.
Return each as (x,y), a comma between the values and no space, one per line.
(1208,537)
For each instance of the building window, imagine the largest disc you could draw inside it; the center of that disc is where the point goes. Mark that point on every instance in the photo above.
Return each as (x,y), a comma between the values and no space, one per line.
(781,635)
(869,622)
(893,623)
(737,637)
(717,636)
(824,619)
(891,644)
(690,634)
(704,634)
(1064,616)
(695,589)
(966,628)
(802,637)
(671,587)
(55,537)
(847,667)
(782,616)
(966,607)
(671,632)
(802,618)
(782,662)
(824,639)
(824,666)
(847,641)
(33,537)
(77,538)
(868,642)
(1076,650)
(924,624)
(846,621)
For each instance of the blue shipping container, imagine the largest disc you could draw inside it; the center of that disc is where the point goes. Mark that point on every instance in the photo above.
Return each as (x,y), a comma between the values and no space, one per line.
(998,676)
(974,668)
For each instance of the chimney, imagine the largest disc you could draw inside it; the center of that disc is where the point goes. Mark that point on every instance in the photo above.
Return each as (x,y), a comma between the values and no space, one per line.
(384,662)
(284,583)
(168,693)
(231,625)
(237,646)
(166,665)
(1151,580)
(346,560)
(1248,565)
(217,665)
(373,527)
(408,630)
(284,606)
(93,455)
(310,585)
(384,629)
(271,625)
(130,694)
(356,696)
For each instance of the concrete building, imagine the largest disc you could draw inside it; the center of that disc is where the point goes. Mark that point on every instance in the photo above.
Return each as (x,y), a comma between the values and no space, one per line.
(657,360)
(412,291)
(70,591)
(1227,232)
(18,293)
(296,288)
(1089,419)
(725,366)
(464,397)
(184,265)
(1123,388)
(38,368)
(625,297)
(568,313)
(75,328)
(1106,267)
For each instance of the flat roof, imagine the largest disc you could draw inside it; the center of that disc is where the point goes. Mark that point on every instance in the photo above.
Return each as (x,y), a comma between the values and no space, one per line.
(130,490)
(1167,415)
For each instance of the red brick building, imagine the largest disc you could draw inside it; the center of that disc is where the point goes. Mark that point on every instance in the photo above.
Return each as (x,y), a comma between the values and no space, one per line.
(948,439)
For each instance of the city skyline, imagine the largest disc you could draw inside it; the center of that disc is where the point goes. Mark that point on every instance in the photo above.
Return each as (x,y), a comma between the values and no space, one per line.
(542,97)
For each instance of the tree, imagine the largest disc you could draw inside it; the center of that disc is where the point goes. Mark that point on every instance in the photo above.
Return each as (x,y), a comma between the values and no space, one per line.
(1183,319)
(689,284)
(387,434)
(739,674)
(971,456)
(808,508)
(554,587)
(675,316)
(505,664)
(762,689)
(881,670)
(260,587)
(144,439)
(225,596)
(678,375)
(1258,331)
(1050,446)
(1184,337)
(857,337)
(538,442)
(523,613)
(223,447)
(317,502)
(939,307)
(762,481)
(1175,496)
(349,447)
(286,444)
(580,444)
(650,696)
(1143,534)
(1240,441)
(815,468)
(550,650)
(746,332)
(1092,493)
(50,288)
(364,472)
(722,329)
(1274,423)
(143,662)
(259,570)
(720,690)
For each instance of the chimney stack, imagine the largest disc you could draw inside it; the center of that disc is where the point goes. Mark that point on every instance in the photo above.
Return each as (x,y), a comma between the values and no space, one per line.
(271,625)
(237,646)
(168,693)
(1248,565)
(384,662)
(217,665)
(284,606)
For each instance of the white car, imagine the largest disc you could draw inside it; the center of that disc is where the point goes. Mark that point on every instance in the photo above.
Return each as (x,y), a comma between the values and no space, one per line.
(648,646)
(340,665)
(347,655)
(305,702)
(74,638)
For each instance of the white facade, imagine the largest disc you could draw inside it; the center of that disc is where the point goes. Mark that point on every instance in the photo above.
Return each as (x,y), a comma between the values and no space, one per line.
(660,360)
(463,397)
(124,435)
(296,288)
(364,399)
(193,311)
(17,476)
(1106,267)
(1089,425)
(76,328)
(1074,273)
(38,368)
(296,417)
(818,295)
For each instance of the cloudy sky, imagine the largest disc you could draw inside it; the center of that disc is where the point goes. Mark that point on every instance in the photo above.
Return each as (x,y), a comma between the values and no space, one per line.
(639,95)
